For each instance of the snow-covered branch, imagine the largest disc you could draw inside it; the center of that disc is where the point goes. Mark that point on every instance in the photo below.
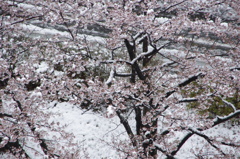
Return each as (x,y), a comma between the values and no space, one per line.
(128,74)
(228,104)
(115,61)
(159,148)
(167,64)
(235,68)
(140,40)
(135,37)
(219,119)
(188,100)
(150,52)
(111,76)
(123,74)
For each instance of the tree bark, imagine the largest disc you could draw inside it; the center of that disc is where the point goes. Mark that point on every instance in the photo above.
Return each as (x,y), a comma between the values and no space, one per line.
(135,66)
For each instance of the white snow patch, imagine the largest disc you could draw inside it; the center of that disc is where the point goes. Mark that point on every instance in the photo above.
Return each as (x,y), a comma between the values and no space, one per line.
(162,20)
(42,67)
(93,131)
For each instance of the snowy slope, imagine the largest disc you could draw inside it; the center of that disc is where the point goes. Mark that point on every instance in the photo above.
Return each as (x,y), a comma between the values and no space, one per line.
(93,132)
(96,135)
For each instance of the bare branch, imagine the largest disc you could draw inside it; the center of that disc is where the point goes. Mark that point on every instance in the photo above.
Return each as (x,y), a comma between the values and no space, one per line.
(65,23)
(174,5)
(127,127)
(25,19)
(4,114)
(190,79)
(185,138)
(207,139)
(230,144)
(138,119)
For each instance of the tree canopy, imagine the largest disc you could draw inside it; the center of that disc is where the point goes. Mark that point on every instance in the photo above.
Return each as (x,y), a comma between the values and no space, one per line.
(173,65)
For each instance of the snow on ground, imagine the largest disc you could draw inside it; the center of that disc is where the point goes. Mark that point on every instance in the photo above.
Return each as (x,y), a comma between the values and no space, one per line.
(92,131)
(95,134)
(203,148)
(36,31)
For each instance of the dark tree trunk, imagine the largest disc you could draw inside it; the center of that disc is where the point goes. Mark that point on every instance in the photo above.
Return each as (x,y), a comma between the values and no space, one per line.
(145,49)
(135,66)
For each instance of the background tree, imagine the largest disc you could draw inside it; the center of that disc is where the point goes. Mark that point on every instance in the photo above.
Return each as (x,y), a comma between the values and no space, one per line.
(155,59)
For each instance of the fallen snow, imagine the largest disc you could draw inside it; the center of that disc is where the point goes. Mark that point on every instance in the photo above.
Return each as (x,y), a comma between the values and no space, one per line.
(92,131)
(95,133)
(50,32)
(42,67)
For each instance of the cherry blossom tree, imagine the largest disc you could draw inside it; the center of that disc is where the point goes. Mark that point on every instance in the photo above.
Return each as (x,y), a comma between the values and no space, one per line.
(173,65)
